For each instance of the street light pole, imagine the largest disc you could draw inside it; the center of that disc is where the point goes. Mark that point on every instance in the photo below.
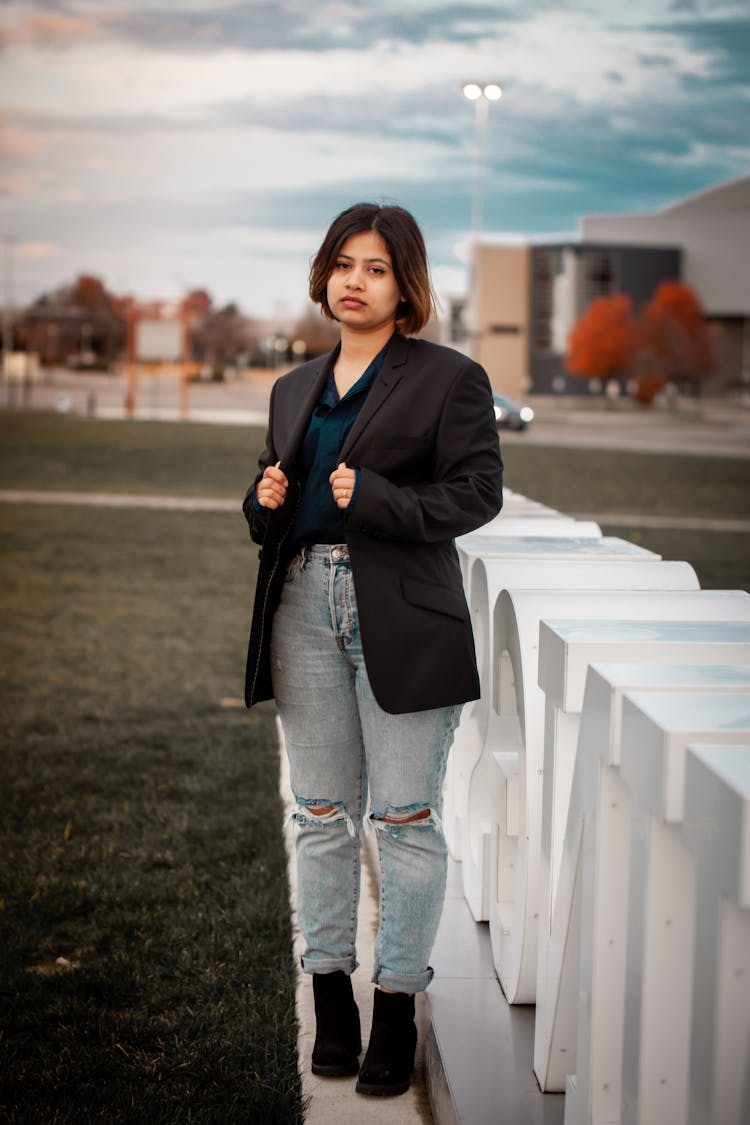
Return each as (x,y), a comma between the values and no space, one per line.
(7,342)
(481,96)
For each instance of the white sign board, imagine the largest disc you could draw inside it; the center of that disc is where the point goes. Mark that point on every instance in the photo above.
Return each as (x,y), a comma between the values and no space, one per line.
(158,341)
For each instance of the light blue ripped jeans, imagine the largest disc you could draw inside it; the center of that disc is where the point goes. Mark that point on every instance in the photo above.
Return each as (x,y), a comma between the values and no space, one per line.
(340,744)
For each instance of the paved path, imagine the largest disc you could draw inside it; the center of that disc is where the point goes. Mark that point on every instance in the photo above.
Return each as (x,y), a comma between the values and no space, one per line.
(714,435)
(120,500)
(674,523)
(334,1101)
(719,427)
(219,504)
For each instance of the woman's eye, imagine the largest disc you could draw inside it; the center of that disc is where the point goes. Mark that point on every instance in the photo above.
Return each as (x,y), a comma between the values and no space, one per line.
(377,271)
(342,265)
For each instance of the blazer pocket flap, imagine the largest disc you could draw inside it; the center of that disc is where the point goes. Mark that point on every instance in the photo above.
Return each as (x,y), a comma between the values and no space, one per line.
(430,595)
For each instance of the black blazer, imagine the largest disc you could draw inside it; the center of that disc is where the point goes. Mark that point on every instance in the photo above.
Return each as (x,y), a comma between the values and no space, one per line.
(426,445)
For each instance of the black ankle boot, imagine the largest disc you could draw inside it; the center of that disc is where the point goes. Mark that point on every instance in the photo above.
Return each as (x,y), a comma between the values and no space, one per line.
(337,1035)
(393,1040)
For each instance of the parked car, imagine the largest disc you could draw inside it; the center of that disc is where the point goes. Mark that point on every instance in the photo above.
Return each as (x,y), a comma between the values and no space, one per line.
(510,415)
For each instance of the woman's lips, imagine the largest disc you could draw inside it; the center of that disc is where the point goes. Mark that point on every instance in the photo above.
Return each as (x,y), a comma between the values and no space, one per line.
(352,303)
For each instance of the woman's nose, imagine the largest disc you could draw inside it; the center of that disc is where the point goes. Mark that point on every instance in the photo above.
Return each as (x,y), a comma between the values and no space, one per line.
(354,278)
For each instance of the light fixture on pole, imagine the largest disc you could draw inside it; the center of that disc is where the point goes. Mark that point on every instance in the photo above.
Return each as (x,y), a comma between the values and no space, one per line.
(481,94)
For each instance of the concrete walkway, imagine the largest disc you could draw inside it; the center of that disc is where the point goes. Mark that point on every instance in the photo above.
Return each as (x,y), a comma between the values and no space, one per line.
(720,427)
(120,500)
(333,1100)
(475,1051)
(165,502)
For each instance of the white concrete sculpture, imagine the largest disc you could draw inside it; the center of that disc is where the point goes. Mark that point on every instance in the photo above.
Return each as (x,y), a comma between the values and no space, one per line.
(515,747)
(541,563)
(716,833)
(598,798)
(528,523)
(661,891)
(569,1024)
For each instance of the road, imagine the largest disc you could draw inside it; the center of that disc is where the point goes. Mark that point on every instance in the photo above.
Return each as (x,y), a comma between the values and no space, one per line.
(711,427)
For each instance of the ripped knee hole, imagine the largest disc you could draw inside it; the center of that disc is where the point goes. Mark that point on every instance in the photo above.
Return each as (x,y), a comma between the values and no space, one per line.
(322,813)
(394,820)
(389,818)
(405,817)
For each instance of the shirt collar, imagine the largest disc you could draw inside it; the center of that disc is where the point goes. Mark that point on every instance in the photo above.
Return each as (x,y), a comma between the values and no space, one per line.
(330,394)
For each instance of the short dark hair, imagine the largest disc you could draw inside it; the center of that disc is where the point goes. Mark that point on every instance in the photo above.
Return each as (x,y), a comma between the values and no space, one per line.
(401,234)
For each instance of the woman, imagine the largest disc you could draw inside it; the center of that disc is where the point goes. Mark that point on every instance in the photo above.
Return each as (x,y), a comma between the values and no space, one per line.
(377,456)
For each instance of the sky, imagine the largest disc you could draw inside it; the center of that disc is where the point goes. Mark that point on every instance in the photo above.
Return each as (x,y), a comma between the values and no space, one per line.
(165,145)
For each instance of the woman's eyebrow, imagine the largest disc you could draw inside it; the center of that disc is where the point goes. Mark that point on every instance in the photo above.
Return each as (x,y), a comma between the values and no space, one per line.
(349,258)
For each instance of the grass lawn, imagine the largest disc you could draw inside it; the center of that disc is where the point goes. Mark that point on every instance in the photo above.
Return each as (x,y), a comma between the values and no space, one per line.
(146,972)
(614,480)
(654,484)
(65,451)
(145,944)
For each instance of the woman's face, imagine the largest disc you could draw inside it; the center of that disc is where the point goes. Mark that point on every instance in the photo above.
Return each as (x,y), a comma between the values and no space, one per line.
(362,291)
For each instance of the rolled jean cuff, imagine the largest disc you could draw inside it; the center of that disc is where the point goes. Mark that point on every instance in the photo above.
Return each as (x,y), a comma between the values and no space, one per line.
(402,982)
(329,964)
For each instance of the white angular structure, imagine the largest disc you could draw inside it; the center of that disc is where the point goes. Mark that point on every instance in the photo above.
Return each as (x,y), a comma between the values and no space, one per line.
(716,833)
(598,800)
(518,702)
(583,922)
(545,563)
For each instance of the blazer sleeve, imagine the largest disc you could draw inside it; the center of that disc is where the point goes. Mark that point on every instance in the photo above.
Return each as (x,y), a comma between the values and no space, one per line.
(467,489)
(257,517)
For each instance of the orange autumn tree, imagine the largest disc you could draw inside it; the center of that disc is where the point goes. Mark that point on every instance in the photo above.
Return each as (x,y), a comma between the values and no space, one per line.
(668,342)
(601,343)
(674,343)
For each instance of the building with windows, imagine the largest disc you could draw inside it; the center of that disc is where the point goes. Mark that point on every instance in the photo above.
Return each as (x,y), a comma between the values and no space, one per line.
(565,279)
(524,298)
(712,230)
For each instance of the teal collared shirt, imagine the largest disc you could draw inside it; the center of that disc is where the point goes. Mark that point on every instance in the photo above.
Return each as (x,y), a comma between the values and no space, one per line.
(319,520)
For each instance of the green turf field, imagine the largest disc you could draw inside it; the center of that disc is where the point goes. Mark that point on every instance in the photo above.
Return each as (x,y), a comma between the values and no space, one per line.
(145,938)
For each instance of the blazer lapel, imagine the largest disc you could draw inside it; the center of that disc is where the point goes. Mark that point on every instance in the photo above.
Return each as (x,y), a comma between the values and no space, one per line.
(389,377)
(316,381)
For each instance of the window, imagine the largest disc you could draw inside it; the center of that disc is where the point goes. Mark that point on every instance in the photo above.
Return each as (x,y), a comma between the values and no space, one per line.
(598,275)
(545,263)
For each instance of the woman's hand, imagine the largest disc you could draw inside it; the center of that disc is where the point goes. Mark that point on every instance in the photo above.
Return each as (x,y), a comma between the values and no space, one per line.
(271,488)
(342,481)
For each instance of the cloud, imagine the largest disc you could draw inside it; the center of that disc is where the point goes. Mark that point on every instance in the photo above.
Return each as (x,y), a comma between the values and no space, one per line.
(214,143)
(17,144)
(298,25)
(16,185)
(37,251)
(46,30)
(117,166)
(34,153)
